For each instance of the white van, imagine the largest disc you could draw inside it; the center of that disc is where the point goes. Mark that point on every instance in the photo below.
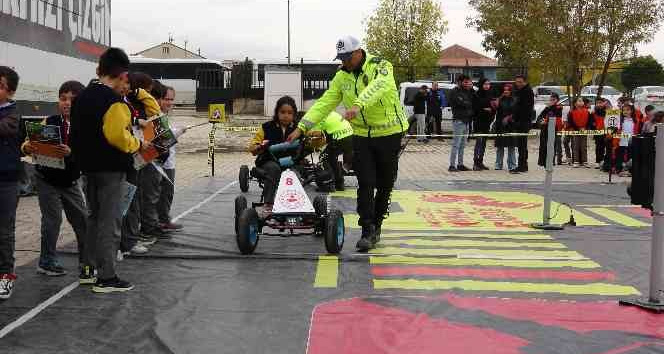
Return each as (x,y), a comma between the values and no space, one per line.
(408,90)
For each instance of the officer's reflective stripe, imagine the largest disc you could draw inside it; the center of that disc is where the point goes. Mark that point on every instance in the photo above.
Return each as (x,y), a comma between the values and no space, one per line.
(307,124)
(368,93)
(342,133)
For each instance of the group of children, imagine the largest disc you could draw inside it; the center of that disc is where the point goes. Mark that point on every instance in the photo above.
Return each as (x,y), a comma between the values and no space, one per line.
(100,129)
(612,149)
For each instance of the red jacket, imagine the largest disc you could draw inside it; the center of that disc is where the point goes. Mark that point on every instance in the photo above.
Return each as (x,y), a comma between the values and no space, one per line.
(578,119)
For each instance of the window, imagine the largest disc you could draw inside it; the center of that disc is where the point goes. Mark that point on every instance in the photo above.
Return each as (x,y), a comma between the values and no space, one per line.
(165,50)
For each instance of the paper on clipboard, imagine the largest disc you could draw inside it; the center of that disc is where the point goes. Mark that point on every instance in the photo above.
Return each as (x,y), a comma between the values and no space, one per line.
(45,139)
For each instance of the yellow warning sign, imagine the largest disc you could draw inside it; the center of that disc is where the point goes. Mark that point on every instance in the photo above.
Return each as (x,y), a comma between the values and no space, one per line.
(217,113)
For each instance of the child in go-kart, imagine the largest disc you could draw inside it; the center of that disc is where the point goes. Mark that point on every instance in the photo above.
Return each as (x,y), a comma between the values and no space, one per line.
(339,136)
(274,132)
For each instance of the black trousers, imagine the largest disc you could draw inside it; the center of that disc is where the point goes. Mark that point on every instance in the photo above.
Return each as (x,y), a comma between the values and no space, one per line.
(522,146)
(600,148)
(376,163)
(272,174)
(335,148)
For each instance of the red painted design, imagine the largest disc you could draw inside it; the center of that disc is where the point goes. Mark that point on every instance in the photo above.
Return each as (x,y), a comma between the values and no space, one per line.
(645,213)
(499,274)
(355,326)
(477,200)
(358,326)
(581,317)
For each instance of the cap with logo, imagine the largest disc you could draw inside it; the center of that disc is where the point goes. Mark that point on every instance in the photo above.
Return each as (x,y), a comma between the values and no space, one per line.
(346,46)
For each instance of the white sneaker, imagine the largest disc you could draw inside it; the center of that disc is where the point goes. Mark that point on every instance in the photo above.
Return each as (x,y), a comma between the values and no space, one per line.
(120,256)
(139,249)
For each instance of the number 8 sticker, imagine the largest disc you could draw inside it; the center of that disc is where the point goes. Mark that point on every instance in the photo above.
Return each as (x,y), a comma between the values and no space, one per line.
(289,181)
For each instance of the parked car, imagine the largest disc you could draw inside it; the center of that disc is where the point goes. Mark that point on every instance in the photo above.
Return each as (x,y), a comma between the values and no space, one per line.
(408,90)
(543,93)
(608,92)
(649,95)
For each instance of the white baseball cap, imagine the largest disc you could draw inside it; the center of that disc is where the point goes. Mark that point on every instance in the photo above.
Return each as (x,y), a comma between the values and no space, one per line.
(346,46)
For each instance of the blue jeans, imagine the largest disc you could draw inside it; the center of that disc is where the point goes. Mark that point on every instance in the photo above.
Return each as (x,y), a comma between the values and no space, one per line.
(460,130)
(511,157)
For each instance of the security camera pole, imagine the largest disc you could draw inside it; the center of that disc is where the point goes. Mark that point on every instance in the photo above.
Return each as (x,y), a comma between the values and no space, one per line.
(654,303)
(548,183)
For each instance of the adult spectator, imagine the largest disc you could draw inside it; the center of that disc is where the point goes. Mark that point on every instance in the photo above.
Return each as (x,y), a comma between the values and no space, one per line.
(420,110)
(523,114)
(461,101)
(484,115)
(436,100)
(365,86)
(505,125)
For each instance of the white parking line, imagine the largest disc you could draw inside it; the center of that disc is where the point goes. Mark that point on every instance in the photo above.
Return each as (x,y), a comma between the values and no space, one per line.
(69,288)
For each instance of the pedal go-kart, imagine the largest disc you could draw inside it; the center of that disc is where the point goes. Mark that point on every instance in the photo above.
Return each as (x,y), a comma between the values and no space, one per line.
(293,214)
(307,169)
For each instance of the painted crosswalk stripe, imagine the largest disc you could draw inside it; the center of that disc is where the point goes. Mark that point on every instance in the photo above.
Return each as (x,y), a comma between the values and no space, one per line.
(478,253)
(453,235)
(492,273)
(515,263)
(618,218)
(475,285)
(470,243)
(327,272)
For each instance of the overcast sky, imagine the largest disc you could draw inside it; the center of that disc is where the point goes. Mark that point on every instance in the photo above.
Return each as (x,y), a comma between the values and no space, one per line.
(235,29)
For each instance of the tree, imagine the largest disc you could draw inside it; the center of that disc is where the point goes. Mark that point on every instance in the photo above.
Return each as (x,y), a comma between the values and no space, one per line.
(557,35)
(642,71)
(623,24)
(408,33)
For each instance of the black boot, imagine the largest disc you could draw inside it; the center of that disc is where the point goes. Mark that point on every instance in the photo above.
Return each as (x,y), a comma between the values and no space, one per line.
(367,241)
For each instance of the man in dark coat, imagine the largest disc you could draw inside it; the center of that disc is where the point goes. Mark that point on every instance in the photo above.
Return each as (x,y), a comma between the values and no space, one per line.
(523,114)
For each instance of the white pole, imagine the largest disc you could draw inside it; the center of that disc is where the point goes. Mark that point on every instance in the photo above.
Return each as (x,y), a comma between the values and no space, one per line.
(548,182)
(657,258)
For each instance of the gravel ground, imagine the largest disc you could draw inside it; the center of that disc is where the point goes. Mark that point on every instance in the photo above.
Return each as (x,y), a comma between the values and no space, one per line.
(419,162)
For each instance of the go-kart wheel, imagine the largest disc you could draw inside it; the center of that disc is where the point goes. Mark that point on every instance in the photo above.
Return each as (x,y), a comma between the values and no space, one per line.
(240,206)
(244,178)
(247,231)
(335,232)
(320,205)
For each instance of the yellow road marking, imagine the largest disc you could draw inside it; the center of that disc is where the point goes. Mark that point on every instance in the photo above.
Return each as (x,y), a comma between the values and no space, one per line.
(476,285)
(618,218)
(516,263)
(327,272)
(477,253)
(471,243)
(451,235)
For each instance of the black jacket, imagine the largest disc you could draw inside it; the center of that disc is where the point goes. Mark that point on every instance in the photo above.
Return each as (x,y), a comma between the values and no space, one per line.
(524,108)
(10,140)
(93,152)
(461,102)
(483,118)
(274,135)
(506,107)
(57,177)
(420,103)
(434,104)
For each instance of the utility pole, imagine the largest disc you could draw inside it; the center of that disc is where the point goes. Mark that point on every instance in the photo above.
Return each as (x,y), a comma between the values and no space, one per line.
(289,35)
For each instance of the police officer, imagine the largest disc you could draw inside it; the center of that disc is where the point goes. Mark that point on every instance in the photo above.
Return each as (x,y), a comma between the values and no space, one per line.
(339,136)
(365,86)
